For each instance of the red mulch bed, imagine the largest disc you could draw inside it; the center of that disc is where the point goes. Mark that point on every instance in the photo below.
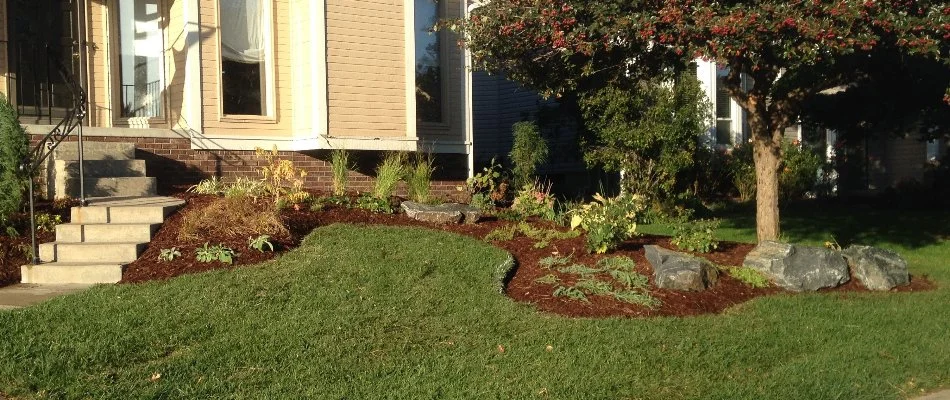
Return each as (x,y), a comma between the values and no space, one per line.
(521,287)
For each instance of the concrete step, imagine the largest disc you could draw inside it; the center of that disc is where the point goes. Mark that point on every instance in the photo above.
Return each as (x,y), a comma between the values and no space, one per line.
(105,233)
(72,273)
(99,168)
(110,187)
(95,151)
(126,210)
(91,252)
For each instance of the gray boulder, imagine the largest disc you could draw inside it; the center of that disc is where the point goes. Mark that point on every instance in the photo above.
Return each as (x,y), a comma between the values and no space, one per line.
(877,269)
(679,271)
(798,268)
(450,213)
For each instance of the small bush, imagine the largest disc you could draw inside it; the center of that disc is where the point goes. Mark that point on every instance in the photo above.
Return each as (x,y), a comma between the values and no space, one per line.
(419,177)
(535,200)
(388,174)
(279,176)
(608,221)
(374,204)
(14,151)
(489,187)
(695,235)
(232,217)
(528,152)
(47,222)
(340,166)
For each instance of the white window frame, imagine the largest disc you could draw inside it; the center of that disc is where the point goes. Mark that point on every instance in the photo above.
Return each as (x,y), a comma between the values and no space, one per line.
(268,78)
(706,73)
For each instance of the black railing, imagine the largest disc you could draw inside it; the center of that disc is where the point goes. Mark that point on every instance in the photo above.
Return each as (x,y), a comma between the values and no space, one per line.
(71,121)
(142,100)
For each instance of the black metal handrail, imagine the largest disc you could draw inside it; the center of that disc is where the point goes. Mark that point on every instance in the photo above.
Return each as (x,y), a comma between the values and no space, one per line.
(71,122)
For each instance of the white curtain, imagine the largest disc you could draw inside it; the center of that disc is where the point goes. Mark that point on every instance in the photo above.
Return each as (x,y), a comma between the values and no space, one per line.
(242,39)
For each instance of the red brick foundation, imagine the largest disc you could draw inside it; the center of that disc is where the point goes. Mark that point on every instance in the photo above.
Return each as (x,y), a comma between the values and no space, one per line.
(174,163)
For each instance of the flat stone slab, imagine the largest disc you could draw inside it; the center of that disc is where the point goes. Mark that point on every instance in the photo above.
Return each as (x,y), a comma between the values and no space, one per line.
(26,294)
(135,201)
(449,213)
(680,271)
(798,268)
(875,268)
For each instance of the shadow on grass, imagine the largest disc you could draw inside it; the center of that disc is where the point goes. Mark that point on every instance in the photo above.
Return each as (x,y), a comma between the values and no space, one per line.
(851,222)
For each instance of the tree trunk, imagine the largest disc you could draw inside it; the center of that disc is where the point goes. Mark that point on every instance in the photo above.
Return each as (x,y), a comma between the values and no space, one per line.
(767,148)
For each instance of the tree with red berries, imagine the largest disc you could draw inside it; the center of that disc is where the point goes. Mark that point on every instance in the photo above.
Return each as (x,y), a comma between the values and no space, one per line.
(780,54)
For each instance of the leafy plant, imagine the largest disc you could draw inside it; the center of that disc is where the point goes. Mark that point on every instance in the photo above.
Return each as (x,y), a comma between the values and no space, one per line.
(279,175)
(595,287)
(608,221)
(488,187)
(616,263)
(570,292)
(695,235)
(419,177)
(14,151)
(749,276)
(549,279)
(218,252)
(636,297)
(47,222)
(535,200)
(579,269)
(260,242)
(167,255)
(340,166)
(388,174)
(503,234)
(374,204)
(554,261)
(212,185)
(629,278)
(528,152)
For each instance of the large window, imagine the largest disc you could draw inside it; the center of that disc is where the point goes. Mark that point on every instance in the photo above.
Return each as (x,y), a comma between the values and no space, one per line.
(428,62)
(140,58)
(244,57)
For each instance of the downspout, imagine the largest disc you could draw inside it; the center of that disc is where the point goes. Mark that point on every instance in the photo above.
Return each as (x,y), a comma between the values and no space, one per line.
(467,95)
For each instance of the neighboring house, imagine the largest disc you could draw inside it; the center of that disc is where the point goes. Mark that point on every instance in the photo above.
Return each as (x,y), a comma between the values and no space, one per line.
(197,85)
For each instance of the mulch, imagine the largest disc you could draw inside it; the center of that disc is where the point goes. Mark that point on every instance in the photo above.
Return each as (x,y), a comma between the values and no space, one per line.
(522,286)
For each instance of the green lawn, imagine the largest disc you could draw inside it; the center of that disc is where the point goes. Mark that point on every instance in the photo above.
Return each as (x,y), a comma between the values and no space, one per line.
(386,312)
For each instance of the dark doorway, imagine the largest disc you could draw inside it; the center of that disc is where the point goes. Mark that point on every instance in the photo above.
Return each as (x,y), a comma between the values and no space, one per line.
(45,53)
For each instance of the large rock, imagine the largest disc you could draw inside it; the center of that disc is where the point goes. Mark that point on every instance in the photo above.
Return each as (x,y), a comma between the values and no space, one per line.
(798,268)
(877,269)
(450,213)
(679,271)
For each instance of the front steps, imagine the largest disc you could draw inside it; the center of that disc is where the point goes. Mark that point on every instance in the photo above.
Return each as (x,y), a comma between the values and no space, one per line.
(100,240)
(110,169)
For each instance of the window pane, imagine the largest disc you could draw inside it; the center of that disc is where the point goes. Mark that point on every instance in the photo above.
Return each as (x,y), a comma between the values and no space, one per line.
(140,58)
(428,62)
(243,57)
(724,131)
(723,100)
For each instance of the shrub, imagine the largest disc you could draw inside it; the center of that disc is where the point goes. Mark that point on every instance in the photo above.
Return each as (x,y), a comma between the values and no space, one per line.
(419,177)
(695,235)
(742,171)
(233,217)
(528,152)
(608,221)
(14,151)
(649,130)
(800,172)
(489,187)
(279,176)
(535,200)
(340,166)
(388,174)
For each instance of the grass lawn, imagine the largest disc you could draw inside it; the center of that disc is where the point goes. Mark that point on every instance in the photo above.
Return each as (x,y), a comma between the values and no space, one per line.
(394,312)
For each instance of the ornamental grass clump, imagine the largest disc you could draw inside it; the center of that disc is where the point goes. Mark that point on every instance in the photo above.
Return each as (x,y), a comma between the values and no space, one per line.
(388,174)
(340,166)
(232,217)
(419,177)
